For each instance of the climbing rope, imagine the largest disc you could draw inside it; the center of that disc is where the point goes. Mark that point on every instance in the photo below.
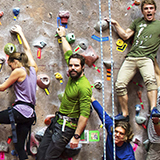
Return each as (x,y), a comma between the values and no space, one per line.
(112,79)
(103,102)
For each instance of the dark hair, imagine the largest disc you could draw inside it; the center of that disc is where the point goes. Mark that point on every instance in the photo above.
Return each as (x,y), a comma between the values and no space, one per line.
(152,2)
(22,58)
(128,130)
(78,56)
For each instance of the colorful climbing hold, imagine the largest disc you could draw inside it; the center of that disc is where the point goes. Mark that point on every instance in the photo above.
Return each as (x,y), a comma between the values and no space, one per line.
(9,48)
(16,12)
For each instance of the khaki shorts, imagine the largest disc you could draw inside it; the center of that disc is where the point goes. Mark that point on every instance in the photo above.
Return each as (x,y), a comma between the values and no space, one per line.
(129,69)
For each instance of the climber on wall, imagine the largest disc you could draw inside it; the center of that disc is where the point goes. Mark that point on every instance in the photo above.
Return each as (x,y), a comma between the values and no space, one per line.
(141,56)
(123,135)
(74,111)
(23,78)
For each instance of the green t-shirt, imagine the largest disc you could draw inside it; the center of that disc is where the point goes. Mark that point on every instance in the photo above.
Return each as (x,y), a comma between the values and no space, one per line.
(77,98)
(146,38)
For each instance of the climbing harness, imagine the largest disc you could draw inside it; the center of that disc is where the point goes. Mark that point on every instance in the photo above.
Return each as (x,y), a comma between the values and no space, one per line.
(12,121)
(110,29)
(66,119)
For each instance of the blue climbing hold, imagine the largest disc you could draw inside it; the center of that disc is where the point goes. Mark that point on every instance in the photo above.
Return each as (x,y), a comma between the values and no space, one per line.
(16,11)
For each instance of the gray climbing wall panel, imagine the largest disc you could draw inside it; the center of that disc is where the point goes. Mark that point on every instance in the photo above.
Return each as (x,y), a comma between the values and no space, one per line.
(39,22)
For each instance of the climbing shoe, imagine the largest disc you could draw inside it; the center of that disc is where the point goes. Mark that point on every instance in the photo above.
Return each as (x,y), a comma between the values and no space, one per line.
(155,112)
(120,117)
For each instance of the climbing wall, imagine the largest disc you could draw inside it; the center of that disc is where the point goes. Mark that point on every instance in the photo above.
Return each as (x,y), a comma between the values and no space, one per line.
(39,20)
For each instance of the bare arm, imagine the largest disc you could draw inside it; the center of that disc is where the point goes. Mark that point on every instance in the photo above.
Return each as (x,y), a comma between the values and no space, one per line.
(16,75)
(80,127)
(124,34)
(18,30)
(62,33)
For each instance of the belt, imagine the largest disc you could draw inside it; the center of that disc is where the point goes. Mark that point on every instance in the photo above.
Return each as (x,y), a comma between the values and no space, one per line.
(28,104)
(66,119)
(25,103)
(69,119)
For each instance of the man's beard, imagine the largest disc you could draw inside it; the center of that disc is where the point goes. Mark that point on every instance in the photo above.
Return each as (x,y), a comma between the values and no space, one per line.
(75,76)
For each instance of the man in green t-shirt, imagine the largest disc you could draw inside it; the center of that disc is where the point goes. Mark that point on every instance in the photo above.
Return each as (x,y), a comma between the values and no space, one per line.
(74,111)
(141,56)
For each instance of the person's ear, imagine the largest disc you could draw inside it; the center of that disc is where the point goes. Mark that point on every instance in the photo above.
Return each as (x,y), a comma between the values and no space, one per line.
(125,138)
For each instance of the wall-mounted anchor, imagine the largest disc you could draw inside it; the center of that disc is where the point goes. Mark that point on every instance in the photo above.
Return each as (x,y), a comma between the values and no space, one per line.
(59,77)
(40,45)
(16,12)
(70,37)
(104,25)
(136,2)
(141,120)
(1,14)
(2,60)
(136,144)
(43,81)
(9,48)
(98,84)
(107,64)
(90,56)
(64,15)
(82,45)
(138,108)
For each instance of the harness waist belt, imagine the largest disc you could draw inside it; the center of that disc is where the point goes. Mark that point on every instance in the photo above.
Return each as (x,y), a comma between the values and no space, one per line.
(28,104)
(66,119)
(25,103)
(69,119)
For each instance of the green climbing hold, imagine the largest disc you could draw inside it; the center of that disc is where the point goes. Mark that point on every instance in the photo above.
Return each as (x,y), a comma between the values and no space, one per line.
(70,37)
(9,48)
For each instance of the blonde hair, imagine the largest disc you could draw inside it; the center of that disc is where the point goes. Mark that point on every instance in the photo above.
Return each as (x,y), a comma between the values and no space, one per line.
(22,58)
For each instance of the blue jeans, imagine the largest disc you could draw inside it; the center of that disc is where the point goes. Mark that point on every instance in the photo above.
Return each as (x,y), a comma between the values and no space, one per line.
(54,142)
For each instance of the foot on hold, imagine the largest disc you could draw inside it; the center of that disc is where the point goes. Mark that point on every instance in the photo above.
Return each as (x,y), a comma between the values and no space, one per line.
(120,117)
(155,112)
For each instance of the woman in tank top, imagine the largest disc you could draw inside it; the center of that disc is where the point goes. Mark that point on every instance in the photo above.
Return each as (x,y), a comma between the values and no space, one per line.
(23,78)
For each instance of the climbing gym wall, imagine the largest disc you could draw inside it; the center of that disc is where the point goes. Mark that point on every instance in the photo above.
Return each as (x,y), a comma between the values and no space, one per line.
(39,20)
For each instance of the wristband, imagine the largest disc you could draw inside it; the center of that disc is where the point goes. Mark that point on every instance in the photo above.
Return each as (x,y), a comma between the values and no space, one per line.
(76,136)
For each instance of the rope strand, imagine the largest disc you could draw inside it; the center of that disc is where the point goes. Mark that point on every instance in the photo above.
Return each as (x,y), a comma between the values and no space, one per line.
(103,104)
(112,79)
